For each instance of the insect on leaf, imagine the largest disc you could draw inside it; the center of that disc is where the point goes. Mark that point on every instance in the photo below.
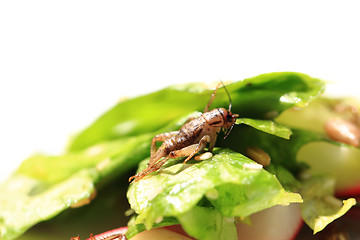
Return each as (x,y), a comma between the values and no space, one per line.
(262,97)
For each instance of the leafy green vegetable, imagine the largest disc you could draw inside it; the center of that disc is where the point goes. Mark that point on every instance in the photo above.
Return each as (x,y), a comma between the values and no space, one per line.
(320,207)
(44,186)
(21,208)
(120,139)
(224,180)
(105,212)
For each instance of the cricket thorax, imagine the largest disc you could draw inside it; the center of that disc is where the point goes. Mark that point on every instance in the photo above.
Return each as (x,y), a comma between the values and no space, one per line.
(219,117)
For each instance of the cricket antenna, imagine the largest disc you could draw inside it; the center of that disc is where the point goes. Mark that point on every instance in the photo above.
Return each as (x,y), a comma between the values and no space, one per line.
(228,132)
(227,95)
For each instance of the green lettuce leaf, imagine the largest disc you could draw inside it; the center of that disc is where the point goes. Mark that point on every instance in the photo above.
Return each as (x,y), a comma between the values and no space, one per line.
(21,208)
(105,212)
(286,178)
(224,181)
(121,138)
(44,186)
(320,207)
(267,126)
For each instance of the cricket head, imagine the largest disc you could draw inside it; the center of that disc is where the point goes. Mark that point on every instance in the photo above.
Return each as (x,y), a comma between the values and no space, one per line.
(220,117)
(229,120)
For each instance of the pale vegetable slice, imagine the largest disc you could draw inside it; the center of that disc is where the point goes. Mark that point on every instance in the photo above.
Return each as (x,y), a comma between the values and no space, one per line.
(159,234)
(278,222)
(339,161)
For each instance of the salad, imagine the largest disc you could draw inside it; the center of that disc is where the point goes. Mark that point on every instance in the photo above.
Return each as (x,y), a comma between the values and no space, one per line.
(291,158)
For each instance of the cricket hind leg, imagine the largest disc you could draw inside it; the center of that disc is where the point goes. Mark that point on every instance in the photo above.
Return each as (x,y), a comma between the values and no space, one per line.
(159,138)
(149,170)
(151,165)
(191,150)
(188,151)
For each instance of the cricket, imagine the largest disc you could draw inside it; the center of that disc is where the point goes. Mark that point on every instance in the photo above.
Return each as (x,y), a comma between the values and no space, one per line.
(192,138)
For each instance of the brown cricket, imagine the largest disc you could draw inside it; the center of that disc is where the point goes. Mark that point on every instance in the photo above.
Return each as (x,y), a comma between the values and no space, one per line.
(192,137)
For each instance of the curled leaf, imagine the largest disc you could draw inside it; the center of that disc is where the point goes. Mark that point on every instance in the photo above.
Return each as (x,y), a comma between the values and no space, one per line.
(320,207)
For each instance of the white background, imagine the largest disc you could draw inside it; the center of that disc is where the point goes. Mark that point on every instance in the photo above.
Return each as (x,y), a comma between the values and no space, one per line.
(63,63)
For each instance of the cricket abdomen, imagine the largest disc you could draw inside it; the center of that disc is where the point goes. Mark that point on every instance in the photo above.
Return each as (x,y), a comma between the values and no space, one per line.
(189,134)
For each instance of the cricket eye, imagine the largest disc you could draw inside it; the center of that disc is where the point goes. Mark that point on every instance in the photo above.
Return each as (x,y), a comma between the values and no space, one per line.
(229,117)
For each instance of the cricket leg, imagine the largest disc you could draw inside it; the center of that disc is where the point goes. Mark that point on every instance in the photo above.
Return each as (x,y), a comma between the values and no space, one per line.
(149,170)
(201,146)
(212,144)
(160,138)
(191,150)
(184,152)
